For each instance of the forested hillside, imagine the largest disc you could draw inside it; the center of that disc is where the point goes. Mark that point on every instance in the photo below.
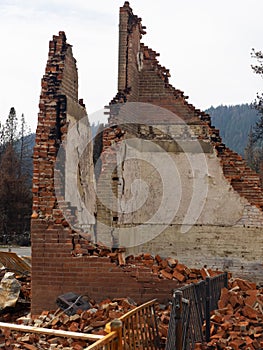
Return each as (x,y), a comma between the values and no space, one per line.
(234,123)
(16,148)
(16,145)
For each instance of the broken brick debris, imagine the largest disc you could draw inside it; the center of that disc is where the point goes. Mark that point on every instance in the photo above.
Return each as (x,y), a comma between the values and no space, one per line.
(165,268)
(92,321)
(95,319)
(238,322)
(170,268)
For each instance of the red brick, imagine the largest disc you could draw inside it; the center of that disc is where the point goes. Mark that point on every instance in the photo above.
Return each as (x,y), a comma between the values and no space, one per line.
(178,276)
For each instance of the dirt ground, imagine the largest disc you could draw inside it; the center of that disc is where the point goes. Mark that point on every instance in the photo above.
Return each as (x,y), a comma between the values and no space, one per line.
(22,251)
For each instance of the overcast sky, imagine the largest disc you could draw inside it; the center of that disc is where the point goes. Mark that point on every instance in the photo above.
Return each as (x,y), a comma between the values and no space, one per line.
(206,44)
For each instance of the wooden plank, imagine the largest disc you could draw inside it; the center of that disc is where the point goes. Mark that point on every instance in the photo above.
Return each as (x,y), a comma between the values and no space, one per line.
(128,326)
(107,339)
(129,313)
(12,262)
(56,332)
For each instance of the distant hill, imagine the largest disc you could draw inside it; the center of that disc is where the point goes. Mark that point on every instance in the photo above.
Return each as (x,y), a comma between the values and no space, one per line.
(234,123)
(28,145)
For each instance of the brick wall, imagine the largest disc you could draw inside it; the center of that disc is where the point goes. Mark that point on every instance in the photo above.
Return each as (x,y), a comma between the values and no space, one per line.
(130,33)
(236,249)
(235,197)
(96,277)
(54,270)
(151,85)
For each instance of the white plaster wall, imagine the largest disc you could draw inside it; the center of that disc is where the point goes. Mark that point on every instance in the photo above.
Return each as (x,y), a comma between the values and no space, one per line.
(181,188)
(174,200)
(79,171)
(235,249)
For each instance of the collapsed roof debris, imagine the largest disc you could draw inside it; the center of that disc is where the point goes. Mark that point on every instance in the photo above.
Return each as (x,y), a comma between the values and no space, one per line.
(12,262)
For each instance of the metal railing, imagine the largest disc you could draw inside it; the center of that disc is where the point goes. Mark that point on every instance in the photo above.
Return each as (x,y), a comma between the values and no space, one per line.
(191,307)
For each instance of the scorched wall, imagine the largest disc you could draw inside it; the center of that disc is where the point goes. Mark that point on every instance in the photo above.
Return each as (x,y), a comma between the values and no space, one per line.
(156,135)
(212,215)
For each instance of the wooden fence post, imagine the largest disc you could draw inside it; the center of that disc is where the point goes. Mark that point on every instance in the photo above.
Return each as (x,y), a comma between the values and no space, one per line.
(178,295)
(116,325)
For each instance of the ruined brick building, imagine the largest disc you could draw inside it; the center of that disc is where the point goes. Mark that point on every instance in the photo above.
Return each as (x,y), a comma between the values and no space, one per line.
(195,200)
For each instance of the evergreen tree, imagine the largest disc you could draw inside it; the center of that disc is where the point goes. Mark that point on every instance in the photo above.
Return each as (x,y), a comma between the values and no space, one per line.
(22,137)
(249,150)
(253,153)
(15,198)
(10,128)
(15,184)
(24,147)
(255,143)
(258,69)
(258,103)
(234,122)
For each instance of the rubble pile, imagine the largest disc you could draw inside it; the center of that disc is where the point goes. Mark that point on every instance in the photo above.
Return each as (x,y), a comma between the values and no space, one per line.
(238,322)
(170,268)
(165,268)
(163,313)
(15,341)
(92,321)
